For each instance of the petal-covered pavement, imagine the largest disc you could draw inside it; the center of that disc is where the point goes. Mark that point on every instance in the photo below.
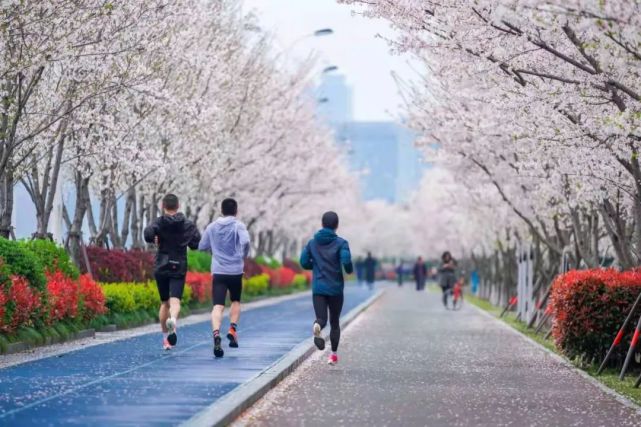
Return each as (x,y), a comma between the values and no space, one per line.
(407,361)
(132,382)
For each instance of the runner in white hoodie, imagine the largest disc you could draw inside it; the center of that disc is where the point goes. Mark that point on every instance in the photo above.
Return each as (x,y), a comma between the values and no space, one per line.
(228,240)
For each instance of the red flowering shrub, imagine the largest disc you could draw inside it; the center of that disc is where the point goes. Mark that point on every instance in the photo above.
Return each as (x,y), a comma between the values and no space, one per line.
(23,303)
(252,268)
(200,284)
(274,276)
(69,298)
(111,266)
(63,296)
(292,265)
(142,264)
(589,307)
(281,277)
(286,277)
(3,309)
(92,298)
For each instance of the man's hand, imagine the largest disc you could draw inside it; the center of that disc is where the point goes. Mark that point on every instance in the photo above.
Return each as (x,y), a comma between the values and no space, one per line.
(156,240)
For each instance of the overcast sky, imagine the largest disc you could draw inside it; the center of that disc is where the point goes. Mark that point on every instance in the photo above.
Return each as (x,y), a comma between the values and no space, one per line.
(354,47)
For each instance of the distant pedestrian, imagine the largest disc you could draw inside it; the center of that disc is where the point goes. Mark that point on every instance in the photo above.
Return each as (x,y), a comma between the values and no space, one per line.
(420,274)
(228,240)
(326,255)
(360,271)
(474,280)
(370,264)
(172,233)
(399,273)
(447,275)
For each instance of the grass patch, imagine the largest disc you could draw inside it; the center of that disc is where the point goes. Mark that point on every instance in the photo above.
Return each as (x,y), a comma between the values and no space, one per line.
(609,377)
(510,319)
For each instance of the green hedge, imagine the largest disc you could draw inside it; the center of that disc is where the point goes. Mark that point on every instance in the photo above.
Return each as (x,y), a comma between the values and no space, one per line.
(198,261)
(19,260)
(52,257)
(268,262)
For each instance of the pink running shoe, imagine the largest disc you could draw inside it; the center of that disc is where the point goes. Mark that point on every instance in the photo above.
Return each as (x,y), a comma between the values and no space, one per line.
(333,359)
(165,344)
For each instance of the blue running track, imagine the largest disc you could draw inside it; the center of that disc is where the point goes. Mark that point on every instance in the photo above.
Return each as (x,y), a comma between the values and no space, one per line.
(133,383)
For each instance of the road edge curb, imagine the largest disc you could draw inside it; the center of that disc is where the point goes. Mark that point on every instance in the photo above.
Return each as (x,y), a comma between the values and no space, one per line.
(232,405)
(566,363)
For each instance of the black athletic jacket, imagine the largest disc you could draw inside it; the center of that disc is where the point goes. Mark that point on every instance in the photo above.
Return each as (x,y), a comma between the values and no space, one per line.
(175,233)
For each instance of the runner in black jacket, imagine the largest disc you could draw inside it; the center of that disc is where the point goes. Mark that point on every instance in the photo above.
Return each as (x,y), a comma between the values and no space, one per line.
(172,233)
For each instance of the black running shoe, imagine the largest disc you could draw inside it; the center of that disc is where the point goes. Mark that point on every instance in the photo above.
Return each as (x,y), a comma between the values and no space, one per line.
(318,339)
(218,348)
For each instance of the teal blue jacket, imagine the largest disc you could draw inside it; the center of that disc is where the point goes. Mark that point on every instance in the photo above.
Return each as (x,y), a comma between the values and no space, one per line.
(326,255)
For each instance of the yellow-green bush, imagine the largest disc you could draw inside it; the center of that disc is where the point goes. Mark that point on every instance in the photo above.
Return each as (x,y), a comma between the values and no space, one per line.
(129,297)
(187,295)
(300,281)
(256,285)
(119,299)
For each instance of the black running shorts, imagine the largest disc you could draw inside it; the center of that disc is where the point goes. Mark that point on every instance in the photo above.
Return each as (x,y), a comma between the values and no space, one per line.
(170,287)
(223,282)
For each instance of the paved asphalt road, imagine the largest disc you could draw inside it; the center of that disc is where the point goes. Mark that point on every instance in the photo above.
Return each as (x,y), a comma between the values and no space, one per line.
(133,383)
(408,362)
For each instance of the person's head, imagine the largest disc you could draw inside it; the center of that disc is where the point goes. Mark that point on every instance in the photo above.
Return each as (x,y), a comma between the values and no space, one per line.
(229,207)
(446,257)
(419,259)
(369,254)
(170,204)
(330,220)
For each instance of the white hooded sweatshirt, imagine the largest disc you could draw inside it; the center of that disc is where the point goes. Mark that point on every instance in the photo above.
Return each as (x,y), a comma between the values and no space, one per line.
(228,240)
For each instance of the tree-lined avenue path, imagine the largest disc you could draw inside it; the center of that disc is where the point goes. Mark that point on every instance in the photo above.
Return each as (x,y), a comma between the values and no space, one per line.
(406,361)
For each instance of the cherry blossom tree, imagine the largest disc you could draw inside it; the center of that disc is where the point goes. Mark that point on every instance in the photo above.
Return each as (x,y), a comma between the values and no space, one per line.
(131,100)
(537,100)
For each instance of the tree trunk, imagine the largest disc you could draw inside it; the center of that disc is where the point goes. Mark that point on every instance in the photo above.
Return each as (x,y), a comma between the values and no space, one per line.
(6,200)
(130,204)
(42,183)
(616,229)
(83,204)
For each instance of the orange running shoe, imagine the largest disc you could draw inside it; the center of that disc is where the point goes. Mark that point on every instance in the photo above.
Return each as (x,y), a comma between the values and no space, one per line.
(233,338)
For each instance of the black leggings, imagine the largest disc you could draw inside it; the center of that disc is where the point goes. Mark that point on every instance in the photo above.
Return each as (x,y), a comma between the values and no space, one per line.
(333,304)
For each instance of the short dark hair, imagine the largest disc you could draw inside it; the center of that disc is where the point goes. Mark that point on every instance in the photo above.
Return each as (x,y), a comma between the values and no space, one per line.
(446,255)
(229,207)
(170,202)
(330,220)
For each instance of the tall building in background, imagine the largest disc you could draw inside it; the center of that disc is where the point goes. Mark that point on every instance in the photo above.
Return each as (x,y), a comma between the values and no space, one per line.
(372,149)
(382,152)
(410,164)
(335,99)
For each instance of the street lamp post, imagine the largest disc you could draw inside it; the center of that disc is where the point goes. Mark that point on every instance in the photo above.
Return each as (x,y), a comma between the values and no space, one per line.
(323,32)
(318,33)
